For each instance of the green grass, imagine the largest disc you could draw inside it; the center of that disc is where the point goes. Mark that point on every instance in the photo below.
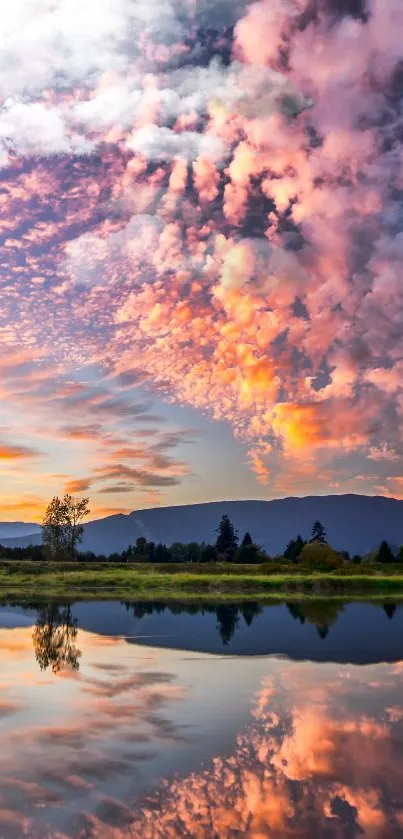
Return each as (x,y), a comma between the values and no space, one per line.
(31,580)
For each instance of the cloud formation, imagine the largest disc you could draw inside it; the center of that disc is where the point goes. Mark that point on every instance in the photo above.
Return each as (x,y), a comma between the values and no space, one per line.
(207,198)
(8,452)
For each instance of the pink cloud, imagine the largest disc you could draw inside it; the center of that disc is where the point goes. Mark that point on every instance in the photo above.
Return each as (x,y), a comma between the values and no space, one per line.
(227,231)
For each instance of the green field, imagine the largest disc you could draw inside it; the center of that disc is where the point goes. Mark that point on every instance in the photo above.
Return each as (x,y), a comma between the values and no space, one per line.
(35,579)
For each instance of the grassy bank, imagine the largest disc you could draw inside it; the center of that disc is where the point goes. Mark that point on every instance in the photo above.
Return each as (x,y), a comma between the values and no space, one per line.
(37,580)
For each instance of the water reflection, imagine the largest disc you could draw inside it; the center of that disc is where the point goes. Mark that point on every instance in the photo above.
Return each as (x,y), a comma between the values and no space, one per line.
(56,629)
(317,629)
(390,609)
(227,614)
(54,638)
(142,740)
(322,758)
(321,613)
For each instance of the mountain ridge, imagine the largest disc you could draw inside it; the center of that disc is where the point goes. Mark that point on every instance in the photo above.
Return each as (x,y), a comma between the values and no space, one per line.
(356,523)
(10,529)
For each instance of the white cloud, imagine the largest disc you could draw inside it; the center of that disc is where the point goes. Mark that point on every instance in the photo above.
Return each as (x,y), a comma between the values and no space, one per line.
(50,48)
(33,129)
(114,105)
(47,44)
(69,67)
(159,143)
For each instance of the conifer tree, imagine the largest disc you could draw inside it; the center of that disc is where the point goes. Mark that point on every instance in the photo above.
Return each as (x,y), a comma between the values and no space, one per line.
(294,548)
(227,539)
(318,533)
(385,554)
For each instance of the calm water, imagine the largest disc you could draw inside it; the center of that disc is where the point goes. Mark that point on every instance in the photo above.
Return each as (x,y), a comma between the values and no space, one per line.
(124,720)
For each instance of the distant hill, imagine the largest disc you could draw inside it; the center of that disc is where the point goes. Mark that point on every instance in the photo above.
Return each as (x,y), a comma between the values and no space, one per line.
(356,523)
(11,529)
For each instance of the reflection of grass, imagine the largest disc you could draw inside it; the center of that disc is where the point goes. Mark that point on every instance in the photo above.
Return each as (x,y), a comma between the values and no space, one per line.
(35,579)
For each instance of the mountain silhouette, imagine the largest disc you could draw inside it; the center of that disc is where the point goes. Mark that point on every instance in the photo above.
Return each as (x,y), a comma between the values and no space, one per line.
(15,529)
(356,523)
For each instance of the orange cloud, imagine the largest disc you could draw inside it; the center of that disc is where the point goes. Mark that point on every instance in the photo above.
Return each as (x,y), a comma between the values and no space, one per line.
(9,452)
(81,485)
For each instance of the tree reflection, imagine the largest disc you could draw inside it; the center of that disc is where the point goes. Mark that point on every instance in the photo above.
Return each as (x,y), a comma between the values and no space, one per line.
(227,614)
(250,611)
(390,609)
(144,608)
(227,621)
(321,613)
(54,638)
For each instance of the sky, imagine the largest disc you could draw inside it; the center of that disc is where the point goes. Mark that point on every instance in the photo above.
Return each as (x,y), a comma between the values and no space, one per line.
(201,240)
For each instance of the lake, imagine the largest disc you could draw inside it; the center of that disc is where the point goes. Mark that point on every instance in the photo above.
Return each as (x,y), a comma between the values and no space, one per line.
(234,720)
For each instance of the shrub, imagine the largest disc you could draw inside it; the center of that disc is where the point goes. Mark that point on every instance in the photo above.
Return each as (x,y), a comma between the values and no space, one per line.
(320,557)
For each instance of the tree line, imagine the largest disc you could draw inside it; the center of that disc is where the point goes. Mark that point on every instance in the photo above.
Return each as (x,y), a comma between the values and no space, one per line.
(63,531)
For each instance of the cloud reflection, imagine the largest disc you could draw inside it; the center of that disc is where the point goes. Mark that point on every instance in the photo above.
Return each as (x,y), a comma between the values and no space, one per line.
(308,766)
(314,751)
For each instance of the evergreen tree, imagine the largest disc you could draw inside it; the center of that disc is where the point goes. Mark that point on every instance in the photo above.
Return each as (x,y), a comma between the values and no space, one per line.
(162,554)
(192,552)
(227,539)
(294,548)
(178,552)
(385,554)
(247,540)
(141,548)
(208,554)
(248,554)
(318,533)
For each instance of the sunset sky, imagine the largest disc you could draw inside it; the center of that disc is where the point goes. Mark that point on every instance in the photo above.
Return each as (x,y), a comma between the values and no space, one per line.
(201,250)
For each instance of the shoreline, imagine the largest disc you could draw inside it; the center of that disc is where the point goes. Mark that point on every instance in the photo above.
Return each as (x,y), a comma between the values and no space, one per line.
(16,598)
(125,582)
